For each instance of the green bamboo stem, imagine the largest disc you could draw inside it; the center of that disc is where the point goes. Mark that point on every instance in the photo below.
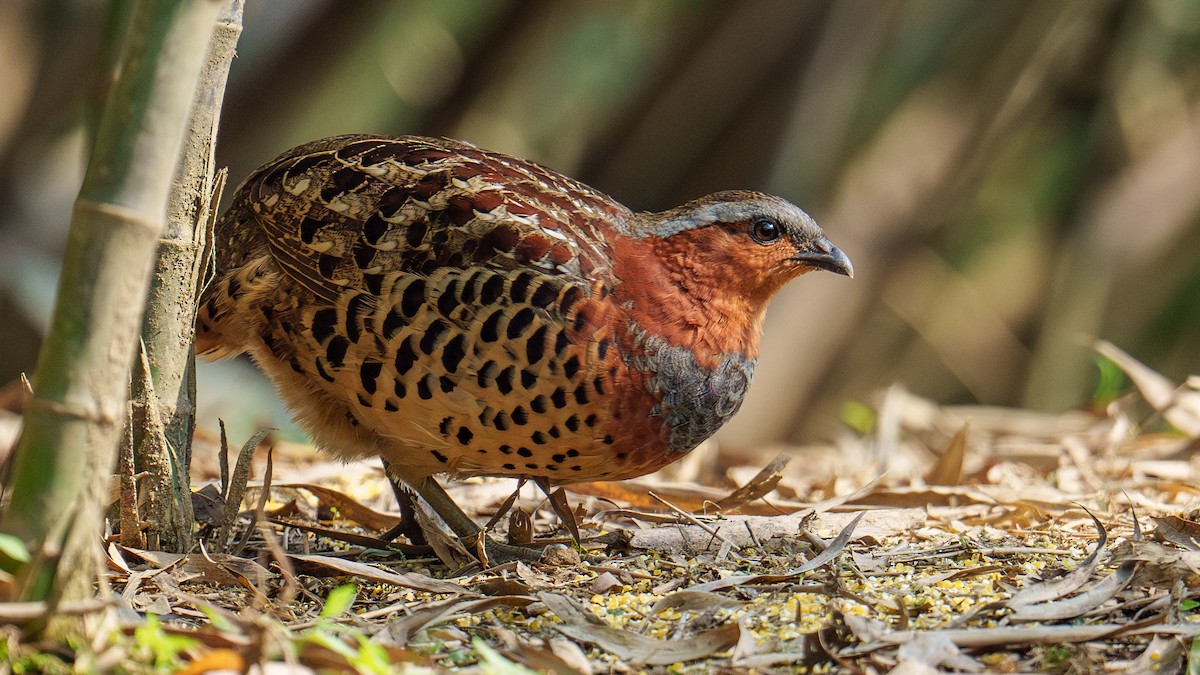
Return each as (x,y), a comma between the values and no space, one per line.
(67,450)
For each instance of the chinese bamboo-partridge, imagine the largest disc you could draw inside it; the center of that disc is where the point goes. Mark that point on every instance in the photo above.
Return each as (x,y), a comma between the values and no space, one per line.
(459,311)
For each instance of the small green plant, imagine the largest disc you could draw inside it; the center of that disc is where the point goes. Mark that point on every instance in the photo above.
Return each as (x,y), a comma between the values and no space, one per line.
(491,662)
(13,553)
(1109,384)
(40,663)
(215,619)
(363,655)
(858,417)
(1057,655)
(339,601)
(153,643)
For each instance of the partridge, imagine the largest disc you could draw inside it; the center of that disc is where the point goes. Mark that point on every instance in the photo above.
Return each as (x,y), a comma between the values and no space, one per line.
(463,312)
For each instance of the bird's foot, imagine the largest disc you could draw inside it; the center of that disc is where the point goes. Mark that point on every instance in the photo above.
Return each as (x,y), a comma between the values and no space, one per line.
(408,525)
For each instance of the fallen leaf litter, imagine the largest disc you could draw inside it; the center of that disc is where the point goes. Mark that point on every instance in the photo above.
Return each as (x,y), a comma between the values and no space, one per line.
(817,566)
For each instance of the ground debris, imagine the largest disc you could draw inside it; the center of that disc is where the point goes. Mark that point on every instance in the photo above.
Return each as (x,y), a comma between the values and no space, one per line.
(978,539)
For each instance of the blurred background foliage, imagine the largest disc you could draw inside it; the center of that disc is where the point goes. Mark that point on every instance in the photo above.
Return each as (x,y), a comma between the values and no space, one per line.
(1012,178)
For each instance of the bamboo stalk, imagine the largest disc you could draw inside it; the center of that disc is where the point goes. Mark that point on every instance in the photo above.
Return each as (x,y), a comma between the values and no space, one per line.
(72,426)
(163,450)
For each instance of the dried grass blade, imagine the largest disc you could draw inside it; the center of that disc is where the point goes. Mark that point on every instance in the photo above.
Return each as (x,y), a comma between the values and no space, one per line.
(759,486)
(690,496)
(237,485)
(831,551)
(1084,602)
(291,586)
(694,521)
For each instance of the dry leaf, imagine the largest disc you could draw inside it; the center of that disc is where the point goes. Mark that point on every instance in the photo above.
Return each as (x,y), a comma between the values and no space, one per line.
(538,656)
(562,508)
(748,531)
(1162,650)
(1178,531)
(835,547)
(1069,583)
(604,583)
(632,648)
(499,586)
(982,638)
(693,600)
(1079,604)
(759,486)
(1163,566)
(336,566)
(571,654)
(401,629)
(217,568)
(1180,405)
(349,508)
(948,469)
(687,496)
(207,504)
(351,538)
(214,660)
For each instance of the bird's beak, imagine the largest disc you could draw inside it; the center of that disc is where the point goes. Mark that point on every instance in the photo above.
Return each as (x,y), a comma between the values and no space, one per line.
(825,256)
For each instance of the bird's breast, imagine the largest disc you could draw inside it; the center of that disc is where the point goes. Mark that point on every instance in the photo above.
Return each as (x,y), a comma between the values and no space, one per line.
(670,400)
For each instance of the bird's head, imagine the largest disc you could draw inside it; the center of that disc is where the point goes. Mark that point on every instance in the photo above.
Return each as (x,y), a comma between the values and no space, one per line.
(757,241)
(718,260)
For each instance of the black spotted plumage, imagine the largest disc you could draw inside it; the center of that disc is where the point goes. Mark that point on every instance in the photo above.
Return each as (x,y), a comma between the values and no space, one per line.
(419,270)
(440,305)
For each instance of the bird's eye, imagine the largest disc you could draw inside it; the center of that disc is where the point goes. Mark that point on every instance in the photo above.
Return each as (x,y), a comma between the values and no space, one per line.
(765,230)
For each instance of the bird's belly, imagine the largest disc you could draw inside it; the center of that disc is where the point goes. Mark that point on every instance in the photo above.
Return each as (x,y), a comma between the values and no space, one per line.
(511,385)
(498,386)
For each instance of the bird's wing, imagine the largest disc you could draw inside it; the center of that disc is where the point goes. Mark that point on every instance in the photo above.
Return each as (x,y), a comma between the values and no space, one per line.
(349,212)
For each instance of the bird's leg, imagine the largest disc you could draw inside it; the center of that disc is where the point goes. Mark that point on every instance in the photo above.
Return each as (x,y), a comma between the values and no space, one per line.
(437,497)
(408,525)
(467,530)
(460,523)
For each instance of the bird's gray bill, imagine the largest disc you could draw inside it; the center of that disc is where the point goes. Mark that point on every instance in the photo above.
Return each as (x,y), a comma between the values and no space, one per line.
(825,256)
